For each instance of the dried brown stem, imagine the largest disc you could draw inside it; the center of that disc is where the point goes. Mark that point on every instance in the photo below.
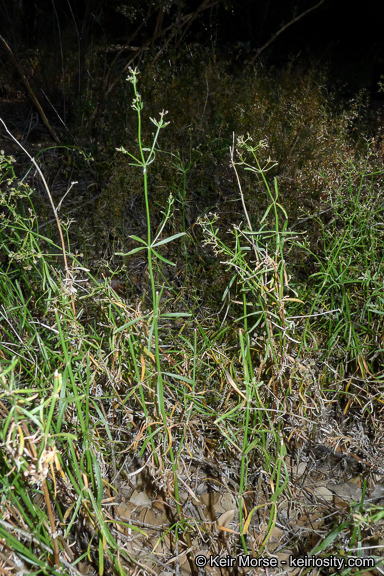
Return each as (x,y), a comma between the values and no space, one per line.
(284,28)
(31,93)
(69,280)
(46,498)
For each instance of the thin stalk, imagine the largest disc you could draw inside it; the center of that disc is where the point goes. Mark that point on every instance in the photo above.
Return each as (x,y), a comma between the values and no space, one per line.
(55,212)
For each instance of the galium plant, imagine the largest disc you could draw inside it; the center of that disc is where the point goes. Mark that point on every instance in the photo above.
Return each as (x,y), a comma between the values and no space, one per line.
(151,245)
(257,261)
(259,284)
(145,158)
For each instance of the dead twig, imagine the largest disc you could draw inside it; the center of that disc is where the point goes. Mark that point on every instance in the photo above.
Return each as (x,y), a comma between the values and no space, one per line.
(55,212)
(31,93)
(283,29)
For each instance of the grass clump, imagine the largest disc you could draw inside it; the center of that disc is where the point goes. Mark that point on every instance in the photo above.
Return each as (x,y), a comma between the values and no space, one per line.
(137,432)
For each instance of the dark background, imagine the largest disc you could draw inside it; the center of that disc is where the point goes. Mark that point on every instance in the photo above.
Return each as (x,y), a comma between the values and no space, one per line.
(347,35)
(343,36)
(342,30)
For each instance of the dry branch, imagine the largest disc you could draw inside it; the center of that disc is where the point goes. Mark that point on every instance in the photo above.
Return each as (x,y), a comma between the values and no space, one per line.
(31,93)
(284,28)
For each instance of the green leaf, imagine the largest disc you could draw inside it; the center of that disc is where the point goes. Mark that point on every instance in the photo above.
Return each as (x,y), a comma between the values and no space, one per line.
(176,315)
(178,377)
(130,252)
(266,213)
(139,240)
(163,259)
(167,239)
(128,324)
(329,539)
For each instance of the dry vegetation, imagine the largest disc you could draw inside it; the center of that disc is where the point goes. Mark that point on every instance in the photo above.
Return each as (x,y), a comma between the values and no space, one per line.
(206,376)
